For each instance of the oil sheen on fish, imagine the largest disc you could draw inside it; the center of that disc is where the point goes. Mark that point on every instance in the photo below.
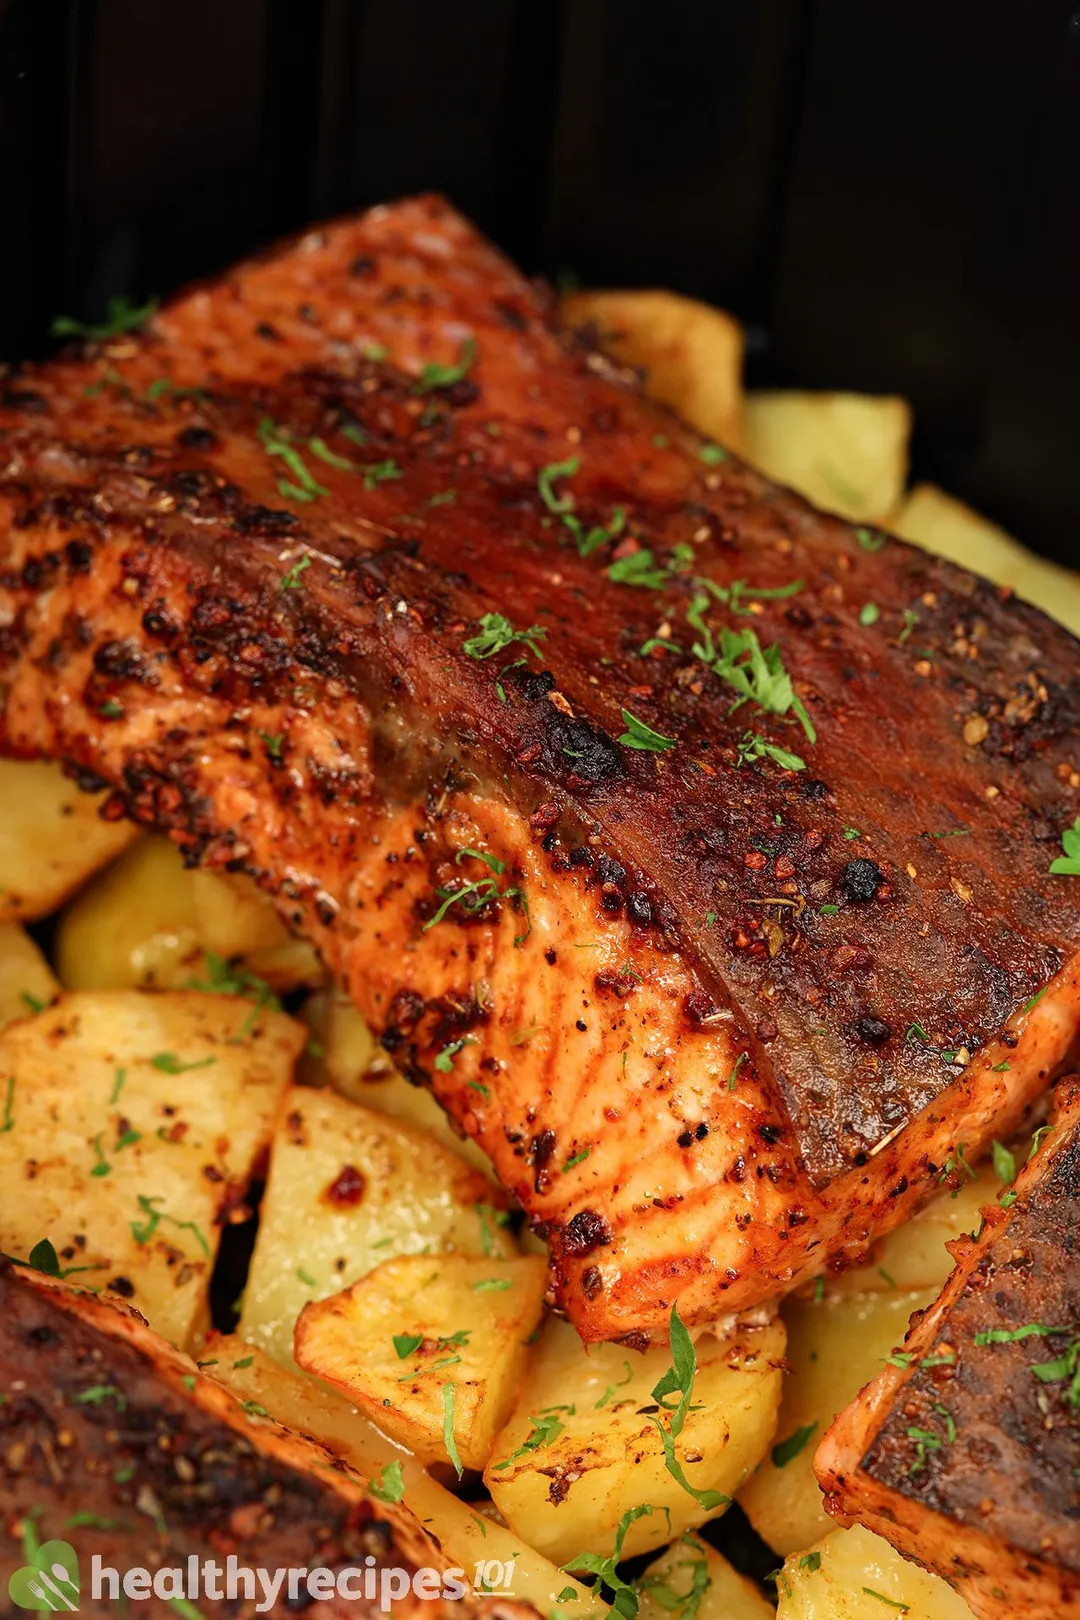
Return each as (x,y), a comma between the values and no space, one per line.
(703,838)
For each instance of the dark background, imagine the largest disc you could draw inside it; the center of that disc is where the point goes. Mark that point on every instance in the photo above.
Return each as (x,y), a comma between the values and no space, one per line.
(886,191)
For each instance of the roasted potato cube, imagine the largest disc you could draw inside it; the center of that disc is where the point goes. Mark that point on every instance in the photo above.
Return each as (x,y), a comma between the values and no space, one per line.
(691,1579)
(415,1328)
(135,1124)
(348,1189)
(848,453)
(945,525)
(691,353)
(348,1057)
(311,1407)
(51,837)
(148,920)
(855,1575)
(580,1450)
(834,1347)
(27,983)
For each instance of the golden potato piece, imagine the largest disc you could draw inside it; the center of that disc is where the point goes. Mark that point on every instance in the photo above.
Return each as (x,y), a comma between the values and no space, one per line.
(27,982)
(580,1450)
(466,1537)
(855,1575)
(945,525)
(348,1189)
(848,453)
(135,1124)
(833,1348)
(148,920)
(349,1058)
(690,1577)
(691,354)
(51,837)
(432,1350)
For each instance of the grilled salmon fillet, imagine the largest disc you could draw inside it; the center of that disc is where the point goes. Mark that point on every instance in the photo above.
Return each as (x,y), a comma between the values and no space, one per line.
(105,1425)
(965,1453)
(692,845)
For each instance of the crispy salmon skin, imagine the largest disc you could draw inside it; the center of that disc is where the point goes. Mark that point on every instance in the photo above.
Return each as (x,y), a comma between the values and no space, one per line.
(568,739)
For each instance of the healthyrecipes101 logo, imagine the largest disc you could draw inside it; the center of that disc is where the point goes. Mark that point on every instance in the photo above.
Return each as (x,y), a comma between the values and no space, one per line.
(50,1583)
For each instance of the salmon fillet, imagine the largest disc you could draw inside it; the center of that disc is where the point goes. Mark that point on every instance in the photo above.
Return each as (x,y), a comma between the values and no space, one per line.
(105,1424)
(692,845)
(965,1452)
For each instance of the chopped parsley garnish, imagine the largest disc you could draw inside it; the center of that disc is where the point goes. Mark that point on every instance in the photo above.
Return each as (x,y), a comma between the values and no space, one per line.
(390,1486)
(292,581)
(711,454)
(98,1394)
(277,441)
(406,1343)
(8,1121)
(742,1058)
(576,1158)
(1030,1330)
(752,745)
(680,1377)
(869,540)
(869,613)
(545,480)
(1004,1162)
(1065,1366)
(435,375)
(811,1562)
(143,1231)
(448,1398)
(546,1427)
(486,1214)
(474,897)
(894,1603)
(492,1285)
(122,314)
(380,472)
(787,1450)
(624,1599)
(757,674)
(44,1258)
(910,621)
(444,1060)
(111,710)
(1068,865)
(639,735)
(496,633)
(612,1388)
(169,1063)
(638,568)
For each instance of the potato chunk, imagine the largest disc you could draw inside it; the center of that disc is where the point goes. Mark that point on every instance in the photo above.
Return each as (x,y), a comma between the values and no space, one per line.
(855,1575)
(27,983)
(579,1450)
(51,837)
(691,353)
(135,1123)
(452,1324)
(148,921)
(465,1536)
(349,1058)
(347,1189)
(847,453)
(691,1578)
(833,1348)
(943,524)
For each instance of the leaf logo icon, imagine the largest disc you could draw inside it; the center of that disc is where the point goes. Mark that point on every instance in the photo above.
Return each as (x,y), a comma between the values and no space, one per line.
(49,1583)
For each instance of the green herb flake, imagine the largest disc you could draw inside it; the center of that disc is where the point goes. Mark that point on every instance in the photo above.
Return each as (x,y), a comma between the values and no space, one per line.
(293,580)
(811,1562)
(169,1063)
(122,314)
(893,1603)
(639,735)
(435,375)
(787,1450)
(869,613)
(1068,865)
(390,1485)
(711,454)
(869,540)
(545,480)
(406,1343)
(1004,1162)
(448,1399)
(496,633)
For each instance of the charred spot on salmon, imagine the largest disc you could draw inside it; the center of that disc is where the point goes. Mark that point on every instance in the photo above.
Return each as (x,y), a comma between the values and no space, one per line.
(862,878)
(585,1232)
(873,1030)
